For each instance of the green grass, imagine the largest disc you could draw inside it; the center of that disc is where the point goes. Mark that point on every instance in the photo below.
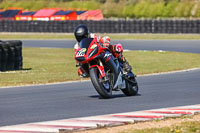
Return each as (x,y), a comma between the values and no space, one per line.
(112,36)
(184,127)
(46,65)
(42,65)
(36,36)
(155,62)
(155,36)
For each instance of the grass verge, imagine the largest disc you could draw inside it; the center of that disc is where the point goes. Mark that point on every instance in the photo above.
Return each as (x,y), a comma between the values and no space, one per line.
(184,127)
(185,124)
(46,65)
(112,36)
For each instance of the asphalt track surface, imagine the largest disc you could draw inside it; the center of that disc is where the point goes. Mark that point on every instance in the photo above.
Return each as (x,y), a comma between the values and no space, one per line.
(190,46)
(69,100)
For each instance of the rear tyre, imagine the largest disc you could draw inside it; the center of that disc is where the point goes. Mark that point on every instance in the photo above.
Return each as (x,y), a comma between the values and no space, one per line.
(102,87)
(131,87)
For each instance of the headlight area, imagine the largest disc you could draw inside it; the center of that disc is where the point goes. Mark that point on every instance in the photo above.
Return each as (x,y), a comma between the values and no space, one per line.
(93,52)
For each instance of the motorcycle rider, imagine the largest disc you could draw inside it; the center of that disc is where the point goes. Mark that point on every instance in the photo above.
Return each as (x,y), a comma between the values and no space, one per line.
(81,32)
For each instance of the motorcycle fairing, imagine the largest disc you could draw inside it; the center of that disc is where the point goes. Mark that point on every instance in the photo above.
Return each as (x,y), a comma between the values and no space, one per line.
(89,49)
(80,59)
(120,83)
(93,52)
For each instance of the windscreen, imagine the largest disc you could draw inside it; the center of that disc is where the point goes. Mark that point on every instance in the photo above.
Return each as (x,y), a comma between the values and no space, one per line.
(85,43)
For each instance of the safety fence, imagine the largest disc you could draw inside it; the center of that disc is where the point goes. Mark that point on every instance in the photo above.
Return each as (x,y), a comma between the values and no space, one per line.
(11,55)
(105,26)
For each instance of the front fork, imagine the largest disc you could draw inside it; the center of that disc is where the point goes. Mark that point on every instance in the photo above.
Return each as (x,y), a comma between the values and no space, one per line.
(110,62)
(100,67)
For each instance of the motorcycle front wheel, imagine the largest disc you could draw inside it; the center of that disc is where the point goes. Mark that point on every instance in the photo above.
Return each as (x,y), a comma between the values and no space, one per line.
(101,86)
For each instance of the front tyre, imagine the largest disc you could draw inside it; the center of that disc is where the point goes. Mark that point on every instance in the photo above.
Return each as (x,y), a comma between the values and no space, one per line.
(131,87)
(101,86)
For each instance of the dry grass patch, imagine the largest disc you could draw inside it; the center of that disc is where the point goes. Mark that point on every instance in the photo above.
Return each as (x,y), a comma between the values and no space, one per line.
(189,124)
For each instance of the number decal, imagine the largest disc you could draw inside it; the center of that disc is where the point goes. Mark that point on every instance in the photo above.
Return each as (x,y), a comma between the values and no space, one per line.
(81,52)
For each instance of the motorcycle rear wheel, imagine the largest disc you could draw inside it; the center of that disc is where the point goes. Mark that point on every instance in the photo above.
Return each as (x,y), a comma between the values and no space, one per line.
(103,88)
(131,87)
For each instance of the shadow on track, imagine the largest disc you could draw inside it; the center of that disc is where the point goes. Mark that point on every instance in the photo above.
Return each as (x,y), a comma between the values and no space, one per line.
(114,96)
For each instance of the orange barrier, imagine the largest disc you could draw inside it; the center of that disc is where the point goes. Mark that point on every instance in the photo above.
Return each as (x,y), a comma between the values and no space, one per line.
(25,16)
(45,14)
(64,15)
(91,15)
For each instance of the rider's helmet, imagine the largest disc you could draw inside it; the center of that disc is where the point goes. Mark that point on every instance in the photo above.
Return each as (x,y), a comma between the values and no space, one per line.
(81,32)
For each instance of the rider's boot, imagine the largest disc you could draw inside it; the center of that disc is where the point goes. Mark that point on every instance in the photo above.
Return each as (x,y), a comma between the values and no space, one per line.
(126,67)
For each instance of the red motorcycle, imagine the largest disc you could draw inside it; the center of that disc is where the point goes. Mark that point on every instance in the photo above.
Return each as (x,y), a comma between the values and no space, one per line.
(105,71)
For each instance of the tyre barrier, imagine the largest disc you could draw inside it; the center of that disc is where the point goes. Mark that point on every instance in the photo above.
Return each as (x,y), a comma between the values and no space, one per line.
(170,26)
(11,55)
